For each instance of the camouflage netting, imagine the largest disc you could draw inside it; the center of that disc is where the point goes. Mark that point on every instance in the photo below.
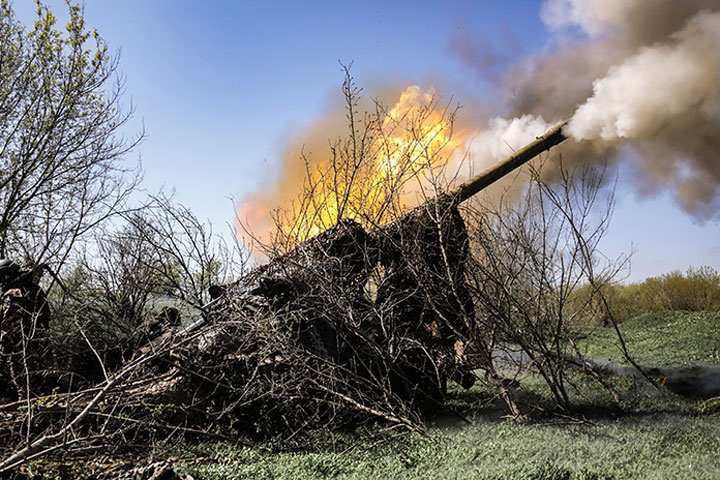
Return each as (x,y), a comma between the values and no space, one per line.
(304,344)
(423,296)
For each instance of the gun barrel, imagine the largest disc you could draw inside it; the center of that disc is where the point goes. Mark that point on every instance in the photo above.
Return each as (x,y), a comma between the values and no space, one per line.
(502,168)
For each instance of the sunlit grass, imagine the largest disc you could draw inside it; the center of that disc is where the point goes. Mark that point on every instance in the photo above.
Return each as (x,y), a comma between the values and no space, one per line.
(614,443)
(647,436)
(664,338)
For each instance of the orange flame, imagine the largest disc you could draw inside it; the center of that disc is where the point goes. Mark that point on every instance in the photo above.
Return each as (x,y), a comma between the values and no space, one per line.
(368,176)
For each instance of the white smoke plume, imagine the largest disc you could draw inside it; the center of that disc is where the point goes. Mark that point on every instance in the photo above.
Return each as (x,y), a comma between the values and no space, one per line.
(493,143)
(636,78)
(641,74)
(639,96)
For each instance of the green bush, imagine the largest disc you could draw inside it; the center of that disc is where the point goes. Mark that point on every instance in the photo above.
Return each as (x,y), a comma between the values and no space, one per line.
(697,290)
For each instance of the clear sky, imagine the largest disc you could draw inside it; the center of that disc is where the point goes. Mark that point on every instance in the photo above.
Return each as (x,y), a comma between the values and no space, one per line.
(220,86)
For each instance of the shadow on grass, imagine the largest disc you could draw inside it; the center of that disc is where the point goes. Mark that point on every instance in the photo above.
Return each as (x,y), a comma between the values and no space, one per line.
(638,399)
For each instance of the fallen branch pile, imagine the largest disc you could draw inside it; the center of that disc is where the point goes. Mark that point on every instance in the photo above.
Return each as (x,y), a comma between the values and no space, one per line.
(296,344)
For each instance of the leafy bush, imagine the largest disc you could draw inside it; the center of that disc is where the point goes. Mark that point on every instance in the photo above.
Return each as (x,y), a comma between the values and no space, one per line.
(697,290)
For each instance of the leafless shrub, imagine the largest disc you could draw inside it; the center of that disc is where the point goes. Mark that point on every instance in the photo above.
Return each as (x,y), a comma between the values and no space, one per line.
(370,174)
(530,259)
(159,256)
(115,384)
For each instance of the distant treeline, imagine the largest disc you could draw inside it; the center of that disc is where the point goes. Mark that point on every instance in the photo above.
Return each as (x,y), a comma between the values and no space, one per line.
(696,290)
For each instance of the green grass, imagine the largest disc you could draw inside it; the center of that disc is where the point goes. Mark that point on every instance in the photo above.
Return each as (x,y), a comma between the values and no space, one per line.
(648,436)
(667,439)
(672,338)
(648,448)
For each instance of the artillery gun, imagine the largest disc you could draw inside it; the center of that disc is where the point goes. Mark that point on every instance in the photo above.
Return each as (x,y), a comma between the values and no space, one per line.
(420,307)
(347,248)
(299,343)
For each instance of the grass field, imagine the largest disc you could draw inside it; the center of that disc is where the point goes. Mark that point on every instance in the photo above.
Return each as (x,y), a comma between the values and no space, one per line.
(647,436)
(664,338)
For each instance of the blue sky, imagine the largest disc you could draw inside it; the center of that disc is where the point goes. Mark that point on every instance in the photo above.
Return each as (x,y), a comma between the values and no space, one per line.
(221,86)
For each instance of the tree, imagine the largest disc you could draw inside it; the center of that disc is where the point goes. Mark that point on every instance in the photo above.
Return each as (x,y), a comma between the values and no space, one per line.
(61,147)
(62,178)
